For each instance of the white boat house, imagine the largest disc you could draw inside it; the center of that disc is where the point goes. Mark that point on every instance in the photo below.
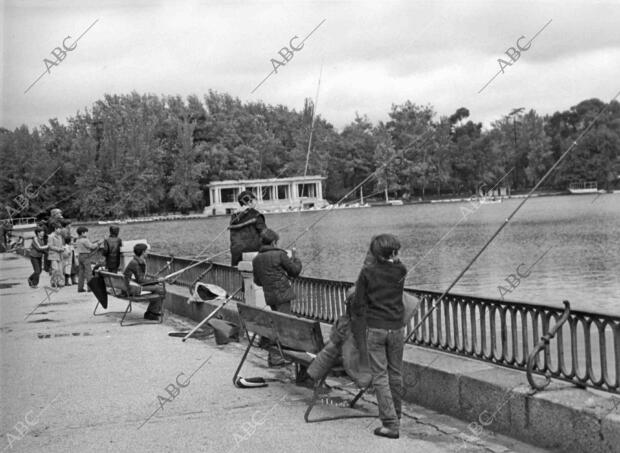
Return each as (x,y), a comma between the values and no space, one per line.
(272,195)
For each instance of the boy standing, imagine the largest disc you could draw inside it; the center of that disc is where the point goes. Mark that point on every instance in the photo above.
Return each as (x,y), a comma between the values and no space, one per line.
(56,244)
(112,250)
(377,314)
(84,249)
(37,251)
(272,269)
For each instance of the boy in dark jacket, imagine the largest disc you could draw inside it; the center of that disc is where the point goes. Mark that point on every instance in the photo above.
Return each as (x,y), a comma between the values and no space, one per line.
(272,269)
(245,227)
(37,251)
(378,316)
(112,250)
(137,269)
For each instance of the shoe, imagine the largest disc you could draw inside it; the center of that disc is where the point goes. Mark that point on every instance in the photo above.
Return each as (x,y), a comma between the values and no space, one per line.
(382,431)
(81,290)
(277,361)
(30,283)
(151,316)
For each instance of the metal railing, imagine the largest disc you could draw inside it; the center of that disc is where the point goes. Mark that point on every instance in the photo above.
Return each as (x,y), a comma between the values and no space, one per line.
(585,350)
(227,277)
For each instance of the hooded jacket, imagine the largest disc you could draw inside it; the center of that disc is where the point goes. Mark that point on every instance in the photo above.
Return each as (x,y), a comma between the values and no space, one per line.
(272,269)
(245,228)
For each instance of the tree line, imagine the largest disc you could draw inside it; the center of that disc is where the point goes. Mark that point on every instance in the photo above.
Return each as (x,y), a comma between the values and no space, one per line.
(140,154)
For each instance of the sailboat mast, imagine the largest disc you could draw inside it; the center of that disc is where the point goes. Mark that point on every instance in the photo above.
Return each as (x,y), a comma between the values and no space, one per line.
(316,102)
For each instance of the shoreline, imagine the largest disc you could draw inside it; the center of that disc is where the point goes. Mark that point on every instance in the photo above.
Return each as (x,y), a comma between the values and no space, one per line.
(368,204)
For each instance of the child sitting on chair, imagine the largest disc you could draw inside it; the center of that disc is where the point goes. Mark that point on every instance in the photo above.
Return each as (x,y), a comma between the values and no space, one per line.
(378,316)
(137,269)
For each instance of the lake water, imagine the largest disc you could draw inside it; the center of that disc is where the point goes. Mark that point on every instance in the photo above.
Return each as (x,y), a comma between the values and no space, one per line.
(575,238)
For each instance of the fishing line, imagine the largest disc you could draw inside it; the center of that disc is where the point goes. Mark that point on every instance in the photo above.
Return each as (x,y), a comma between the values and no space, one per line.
(527,197)
(452,229)
(366,179)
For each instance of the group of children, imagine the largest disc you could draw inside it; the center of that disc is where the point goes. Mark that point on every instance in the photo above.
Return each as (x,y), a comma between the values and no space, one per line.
(376,314)
(69,259)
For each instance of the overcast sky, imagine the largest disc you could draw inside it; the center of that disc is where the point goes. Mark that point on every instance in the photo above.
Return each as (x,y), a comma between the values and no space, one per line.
(373,54)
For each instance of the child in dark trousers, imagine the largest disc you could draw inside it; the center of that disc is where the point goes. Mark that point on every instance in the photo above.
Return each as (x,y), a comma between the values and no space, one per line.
(377,316)
(112,250)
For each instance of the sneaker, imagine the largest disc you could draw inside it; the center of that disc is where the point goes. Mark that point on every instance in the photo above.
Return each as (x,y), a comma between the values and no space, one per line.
(30,283)
(81,290)
(382,431)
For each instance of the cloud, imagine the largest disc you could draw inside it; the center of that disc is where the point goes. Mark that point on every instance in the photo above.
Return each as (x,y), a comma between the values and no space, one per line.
(373,54)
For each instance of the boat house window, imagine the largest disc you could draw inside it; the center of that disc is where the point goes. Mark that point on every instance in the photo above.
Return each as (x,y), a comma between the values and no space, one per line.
(229,195)
(282,192)
(307,190)
(267,192)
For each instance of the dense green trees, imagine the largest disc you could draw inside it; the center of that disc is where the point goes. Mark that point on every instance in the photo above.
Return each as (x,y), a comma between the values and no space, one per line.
(139,154)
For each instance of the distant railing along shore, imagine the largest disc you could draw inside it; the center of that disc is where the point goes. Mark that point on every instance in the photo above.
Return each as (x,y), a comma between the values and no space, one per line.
(585,351)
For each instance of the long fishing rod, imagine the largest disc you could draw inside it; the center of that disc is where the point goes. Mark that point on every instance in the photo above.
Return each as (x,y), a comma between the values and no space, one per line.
(180,271)
(366,179)
(452,229)
(328,211)
(512,214)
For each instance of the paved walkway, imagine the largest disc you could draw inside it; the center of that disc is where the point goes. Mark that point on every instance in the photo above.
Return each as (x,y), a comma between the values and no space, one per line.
(72,382)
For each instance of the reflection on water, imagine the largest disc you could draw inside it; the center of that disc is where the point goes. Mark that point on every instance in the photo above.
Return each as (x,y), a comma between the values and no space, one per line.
(582,239)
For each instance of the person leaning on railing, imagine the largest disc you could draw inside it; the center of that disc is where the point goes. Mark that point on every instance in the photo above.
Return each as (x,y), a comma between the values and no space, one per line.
(245,227)
(272,269)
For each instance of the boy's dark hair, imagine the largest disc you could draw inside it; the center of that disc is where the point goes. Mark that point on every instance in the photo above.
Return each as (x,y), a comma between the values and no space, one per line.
(38,230)
(65,222)
(81,230)
(56,225)
(245,197)
(68,240)
(139,249)
(383,246)
(114,231)
(268,236)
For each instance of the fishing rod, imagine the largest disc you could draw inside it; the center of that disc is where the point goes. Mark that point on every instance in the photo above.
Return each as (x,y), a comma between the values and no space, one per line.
(508,219)
(328,211)
(452,229)
(366,179)
(180,271)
